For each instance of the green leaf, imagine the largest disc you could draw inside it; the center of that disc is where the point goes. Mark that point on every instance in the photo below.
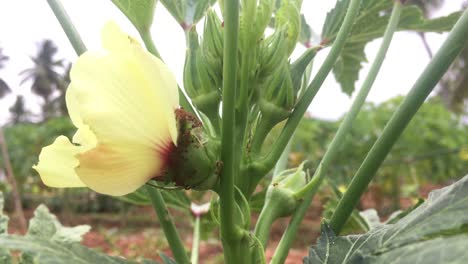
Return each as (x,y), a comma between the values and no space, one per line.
(45,225)
(370,25)
(5,257)
(306,36)
(47,241)
(434,232)
(3,218)
(174,198)
(50,252)
(139,12)
(187,12)
(166,259)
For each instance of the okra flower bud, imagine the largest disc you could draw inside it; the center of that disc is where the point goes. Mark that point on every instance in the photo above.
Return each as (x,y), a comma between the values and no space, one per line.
(277,95)
(272,53)
(282,193)
(212,46)
(200,85)
(281,200)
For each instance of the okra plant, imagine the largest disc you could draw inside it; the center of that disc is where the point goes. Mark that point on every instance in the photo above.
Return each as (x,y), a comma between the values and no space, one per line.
(143,137)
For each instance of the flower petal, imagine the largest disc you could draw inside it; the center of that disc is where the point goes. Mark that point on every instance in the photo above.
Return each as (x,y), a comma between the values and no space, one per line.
(57,163)
(118,169)
(125,97)
(83,136)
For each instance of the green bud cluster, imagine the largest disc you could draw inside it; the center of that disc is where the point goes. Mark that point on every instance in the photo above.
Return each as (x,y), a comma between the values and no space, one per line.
(277,96)
(212,45)
(278,85)
(203,66)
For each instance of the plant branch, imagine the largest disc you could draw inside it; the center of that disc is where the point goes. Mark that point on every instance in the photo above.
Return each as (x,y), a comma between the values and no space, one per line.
(452,46)
(67,25)
(170,231)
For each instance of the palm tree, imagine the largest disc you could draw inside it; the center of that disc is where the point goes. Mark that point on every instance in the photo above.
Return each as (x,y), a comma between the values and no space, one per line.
(18,111)
(58,103)
(4,88)
(44,76)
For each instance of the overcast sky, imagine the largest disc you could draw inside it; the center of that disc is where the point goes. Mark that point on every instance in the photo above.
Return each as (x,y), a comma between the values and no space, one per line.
(24,23)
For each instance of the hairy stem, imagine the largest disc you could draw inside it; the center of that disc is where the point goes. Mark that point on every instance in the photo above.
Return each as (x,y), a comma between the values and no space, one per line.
(452,46)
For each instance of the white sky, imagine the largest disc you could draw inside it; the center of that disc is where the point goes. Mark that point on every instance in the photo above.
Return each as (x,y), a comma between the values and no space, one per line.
(24,23)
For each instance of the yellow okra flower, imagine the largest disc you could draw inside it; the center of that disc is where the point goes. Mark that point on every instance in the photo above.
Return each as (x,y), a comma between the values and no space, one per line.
(122,101)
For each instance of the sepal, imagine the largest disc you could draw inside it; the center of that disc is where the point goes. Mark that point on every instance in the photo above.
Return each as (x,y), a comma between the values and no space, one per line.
(192,164)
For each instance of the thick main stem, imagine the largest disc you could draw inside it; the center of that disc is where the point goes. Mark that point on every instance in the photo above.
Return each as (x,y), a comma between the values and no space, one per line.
(169,229)
(231,236)
(11,178)
(452,46)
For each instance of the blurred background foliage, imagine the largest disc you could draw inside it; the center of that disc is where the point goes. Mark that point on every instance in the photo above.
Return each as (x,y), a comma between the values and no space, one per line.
(432,150)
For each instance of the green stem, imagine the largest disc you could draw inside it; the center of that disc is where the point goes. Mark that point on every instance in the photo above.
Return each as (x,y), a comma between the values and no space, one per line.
(314,86)
(268,215)
(170,231)
(289,235)
(455,42)
(264,223)
(231,234)
(196,241)
(67,26)
(263,128)
(282,163)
